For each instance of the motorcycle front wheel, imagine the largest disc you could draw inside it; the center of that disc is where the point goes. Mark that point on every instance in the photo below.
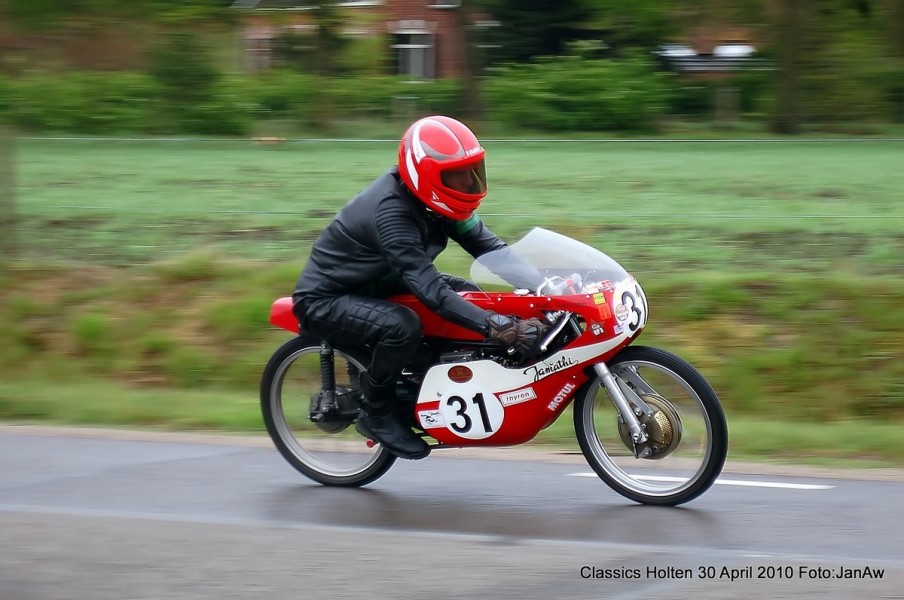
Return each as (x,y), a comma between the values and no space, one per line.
(688,434)
(330,451)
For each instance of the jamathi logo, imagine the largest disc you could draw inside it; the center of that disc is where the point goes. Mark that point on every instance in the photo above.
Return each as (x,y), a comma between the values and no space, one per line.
(541,371)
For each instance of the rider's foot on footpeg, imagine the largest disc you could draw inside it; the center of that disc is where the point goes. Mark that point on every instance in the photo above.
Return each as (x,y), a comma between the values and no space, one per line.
(393,435)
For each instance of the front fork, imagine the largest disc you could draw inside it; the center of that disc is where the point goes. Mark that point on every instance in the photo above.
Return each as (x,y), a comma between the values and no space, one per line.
(623,397)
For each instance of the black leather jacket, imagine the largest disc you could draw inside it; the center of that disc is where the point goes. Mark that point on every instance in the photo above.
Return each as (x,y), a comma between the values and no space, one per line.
(384,241)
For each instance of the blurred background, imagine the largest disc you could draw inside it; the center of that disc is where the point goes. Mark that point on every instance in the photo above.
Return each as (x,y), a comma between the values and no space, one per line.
(165,166)
(232,68)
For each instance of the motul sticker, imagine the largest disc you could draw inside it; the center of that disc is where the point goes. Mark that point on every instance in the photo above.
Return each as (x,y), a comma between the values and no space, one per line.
(431,418)
(517,396)
(560,397)
(621,312)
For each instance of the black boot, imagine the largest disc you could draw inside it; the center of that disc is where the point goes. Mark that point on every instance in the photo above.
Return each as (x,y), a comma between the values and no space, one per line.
(379,423)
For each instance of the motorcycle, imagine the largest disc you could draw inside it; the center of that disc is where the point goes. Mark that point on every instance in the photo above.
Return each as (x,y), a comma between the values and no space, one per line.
(646,421)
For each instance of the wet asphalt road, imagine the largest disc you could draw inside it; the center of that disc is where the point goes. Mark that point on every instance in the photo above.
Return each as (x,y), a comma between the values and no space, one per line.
(90,516)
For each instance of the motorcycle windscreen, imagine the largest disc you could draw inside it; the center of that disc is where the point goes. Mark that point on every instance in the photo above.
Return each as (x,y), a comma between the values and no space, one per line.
(542,254)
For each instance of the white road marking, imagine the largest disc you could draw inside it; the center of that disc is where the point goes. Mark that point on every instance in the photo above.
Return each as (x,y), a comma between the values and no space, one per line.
(761,484)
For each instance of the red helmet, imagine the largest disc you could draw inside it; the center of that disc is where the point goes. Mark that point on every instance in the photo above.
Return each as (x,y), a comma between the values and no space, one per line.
(442,163)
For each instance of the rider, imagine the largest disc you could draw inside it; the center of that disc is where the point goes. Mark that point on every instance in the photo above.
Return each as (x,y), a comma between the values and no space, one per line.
(384,241)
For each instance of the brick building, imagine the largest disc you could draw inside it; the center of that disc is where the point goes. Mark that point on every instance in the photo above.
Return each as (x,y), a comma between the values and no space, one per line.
(425,38)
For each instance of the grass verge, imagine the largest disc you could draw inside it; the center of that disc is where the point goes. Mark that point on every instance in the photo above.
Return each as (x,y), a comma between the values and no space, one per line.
(850,443)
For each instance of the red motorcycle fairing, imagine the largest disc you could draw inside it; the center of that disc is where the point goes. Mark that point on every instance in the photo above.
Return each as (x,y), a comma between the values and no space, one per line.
(483,403)
(497,407)
(592,307)
(281,315)
(433,325)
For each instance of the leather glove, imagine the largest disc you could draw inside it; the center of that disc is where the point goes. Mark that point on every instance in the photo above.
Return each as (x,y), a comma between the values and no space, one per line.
(525,336)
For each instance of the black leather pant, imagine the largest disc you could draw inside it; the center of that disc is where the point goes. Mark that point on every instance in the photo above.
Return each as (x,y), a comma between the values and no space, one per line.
(392,332)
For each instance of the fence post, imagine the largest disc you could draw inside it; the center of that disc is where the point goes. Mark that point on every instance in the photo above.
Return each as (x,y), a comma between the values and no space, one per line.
(8,242)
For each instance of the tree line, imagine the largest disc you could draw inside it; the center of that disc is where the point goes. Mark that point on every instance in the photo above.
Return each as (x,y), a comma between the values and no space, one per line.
(829,61)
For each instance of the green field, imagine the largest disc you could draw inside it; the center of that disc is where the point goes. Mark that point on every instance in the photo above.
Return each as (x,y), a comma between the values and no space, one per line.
(145,270)
(659,206)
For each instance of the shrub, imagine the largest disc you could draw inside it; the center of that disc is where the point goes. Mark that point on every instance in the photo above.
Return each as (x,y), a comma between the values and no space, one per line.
(6,99)
(392,96)
(84,102)
(117,102)
(691,99)
(113,103)
(570,93)
(697,98)
(195,97)
(755,89)
(183,68)
(237,319)
(223,114)
(190,367)
(893,88)
(91,335)
(849,80)
(317,101)
(280,94)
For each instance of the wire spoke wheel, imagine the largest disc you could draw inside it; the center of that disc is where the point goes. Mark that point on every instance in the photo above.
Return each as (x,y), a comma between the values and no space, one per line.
(688,436)
(312,425)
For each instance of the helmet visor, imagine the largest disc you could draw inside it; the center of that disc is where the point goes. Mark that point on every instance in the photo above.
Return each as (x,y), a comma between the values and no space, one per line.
(471,179)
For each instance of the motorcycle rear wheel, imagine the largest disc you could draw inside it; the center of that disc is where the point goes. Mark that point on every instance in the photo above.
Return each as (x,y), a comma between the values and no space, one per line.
(331,453)
(689,429)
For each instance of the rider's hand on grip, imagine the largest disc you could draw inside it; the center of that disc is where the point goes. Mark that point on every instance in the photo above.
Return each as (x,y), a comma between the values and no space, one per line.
(525,336)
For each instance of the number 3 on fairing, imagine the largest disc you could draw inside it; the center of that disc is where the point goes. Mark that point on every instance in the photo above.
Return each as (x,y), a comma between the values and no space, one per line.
(636,303)
(474,419)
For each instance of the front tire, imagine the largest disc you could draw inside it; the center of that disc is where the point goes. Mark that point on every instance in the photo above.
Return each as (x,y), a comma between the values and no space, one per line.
(332,453)
(689,429)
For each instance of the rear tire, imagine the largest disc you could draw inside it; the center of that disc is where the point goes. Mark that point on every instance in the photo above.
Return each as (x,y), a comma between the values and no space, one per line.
(336,455)
(691,422)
